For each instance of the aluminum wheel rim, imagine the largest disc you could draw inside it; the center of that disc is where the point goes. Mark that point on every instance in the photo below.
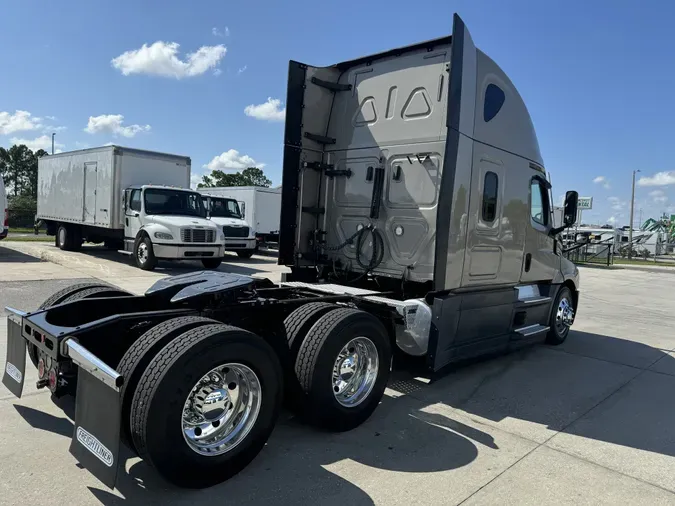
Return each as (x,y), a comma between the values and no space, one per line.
(564,316)
(142,252)
(62,236)
(355,372)
(221,409)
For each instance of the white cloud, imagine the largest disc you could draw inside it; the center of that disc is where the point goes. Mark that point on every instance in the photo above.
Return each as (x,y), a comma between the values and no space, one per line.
(602,180)
(48,129)
(217,72)
(617,203)
(269,111)
(658,179)
(612,220)
(112,123)
(195,179)
(227,31)
(161,59)
(232,160)
(42,142)
(20,120)
(109,144)
(241,71)
(51,118)
(216,32)
(658,196)
(599,179)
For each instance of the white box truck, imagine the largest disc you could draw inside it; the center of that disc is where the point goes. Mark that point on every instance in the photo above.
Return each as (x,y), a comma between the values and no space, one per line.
(225,212)
(259,206)
(134,201)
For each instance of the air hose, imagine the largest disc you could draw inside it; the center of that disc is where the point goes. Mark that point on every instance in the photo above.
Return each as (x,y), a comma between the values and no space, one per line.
(377,254)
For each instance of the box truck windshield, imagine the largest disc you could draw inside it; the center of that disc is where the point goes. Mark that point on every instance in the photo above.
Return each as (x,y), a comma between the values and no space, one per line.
(173,202)
(225,208)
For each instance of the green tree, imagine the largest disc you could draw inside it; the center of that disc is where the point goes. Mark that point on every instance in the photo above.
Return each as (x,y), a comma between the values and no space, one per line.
(15,166)
(251,176)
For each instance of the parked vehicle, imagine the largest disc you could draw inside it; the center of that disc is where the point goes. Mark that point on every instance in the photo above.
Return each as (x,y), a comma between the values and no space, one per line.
(399,231)
(4,208)
(259,206)
(134,201)
(225,212)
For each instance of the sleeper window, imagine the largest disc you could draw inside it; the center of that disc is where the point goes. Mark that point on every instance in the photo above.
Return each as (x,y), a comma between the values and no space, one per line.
(538,203)
(490,187)
(494,100)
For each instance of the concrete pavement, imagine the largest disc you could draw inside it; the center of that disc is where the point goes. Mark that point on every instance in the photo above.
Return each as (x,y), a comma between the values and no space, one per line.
(589,422)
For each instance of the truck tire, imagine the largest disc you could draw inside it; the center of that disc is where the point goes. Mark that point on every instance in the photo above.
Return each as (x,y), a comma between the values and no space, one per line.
(559,314)
(238,374)
(211,263)
(144,254)
(349,350)
(66,295)
(140,354)
(248,253)
(296,326)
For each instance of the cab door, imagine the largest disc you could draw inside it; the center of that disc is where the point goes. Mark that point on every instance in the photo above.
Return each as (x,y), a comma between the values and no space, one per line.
(132,214)
(539,260)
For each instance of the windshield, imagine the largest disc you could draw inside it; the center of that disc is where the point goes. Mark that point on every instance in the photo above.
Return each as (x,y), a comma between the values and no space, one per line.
(224,208)
(173,202)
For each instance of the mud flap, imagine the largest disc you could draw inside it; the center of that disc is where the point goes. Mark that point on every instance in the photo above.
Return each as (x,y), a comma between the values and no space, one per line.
(96,437)
(15,363)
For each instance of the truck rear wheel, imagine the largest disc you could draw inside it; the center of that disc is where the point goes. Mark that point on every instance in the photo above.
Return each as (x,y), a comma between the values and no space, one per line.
(296,326)
(247,253)
(343,366)
(140,354)
(206,404)
(68,238)
(144,254)
(71,293)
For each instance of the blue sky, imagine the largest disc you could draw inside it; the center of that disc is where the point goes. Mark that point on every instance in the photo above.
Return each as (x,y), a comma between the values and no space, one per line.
(597,78)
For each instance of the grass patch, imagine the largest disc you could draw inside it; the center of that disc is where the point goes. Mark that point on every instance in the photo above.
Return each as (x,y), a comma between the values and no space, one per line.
(21,230)
(643,263)
(30,238)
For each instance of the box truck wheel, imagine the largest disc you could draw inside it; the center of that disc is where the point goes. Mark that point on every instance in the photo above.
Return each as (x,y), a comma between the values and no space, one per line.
(247,253)
(206,405)
(211,263)
(562,317)
(73,292)
(68,238)
(141,352)
(143,253)
(296,327)
(343,366)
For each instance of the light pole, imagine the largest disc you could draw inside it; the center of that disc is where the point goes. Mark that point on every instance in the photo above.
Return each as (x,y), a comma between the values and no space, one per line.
(630,226)
(55,134)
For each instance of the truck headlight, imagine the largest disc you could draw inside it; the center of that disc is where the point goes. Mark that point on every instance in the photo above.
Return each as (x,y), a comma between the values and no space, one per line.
(162,235)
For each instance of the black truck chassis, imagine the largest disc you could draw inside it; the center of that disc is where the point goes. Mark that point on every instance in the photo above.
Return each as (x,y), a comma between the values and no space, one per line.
(80,344)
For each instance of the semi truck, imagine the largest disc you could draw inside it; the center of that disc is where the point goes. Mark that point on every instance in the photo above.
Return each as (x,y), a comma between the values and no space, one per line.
(259,206)
(416,215)
(225,212)
(133,201)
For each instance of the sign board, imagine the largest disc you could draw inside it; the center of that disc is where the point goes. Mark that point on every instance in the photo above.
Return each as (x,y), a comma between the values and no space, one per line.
(585,203)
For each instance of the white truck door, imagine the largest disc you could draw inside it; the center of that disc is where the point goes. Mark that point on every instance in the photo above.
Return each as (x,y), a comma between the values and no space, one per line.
(132,218)
(90,180)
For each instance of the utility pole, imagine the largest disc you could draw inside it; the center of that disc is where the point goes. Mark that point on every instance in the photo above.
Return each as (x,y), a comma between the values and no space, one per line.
(630,227)
(55,134)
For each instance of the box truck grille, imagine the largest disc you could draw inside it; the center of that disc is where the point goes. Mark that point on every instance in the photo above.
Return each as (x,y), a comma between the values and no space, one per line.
(197,235)
(230,231)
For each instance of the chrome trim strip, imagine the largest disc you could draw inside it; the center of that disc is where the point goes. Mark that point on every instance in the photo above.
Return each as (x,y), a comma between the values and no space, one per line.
(93,365)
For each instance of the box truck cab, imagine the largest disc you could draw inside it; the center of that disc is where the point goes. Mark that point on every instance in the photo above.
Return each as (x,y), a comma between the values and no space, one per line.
(134,201)
(162,222)
(226,214)
(4,210)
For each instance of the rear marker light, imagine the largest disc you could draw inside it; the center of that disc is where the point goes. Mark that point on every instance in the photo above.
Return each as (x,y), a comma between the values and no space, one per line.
(52,380)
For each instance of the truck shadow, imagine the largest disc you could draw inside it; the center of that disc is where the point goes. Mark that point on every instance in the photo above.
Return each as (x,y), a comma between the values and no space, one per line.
(441,426)
(8,255)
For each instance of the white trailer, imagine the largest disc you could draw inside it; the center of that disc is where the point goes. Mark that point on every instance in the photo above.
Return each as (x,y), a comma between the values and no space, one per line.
(260,208)
(132,200)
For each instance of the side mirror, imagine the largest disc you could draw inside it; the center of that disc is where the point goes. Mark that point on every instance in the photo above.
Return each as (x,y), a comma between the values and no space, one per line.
(570,209)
